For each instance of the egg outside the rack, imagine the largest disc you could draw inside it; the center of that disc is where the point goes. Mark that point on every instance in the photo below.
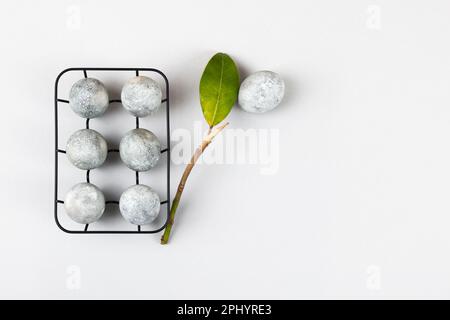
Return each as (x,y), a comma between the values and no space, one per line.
(139,204)
(84,203)
(141,96)
(86,149)
(140,149)
(88,98)
(260,92)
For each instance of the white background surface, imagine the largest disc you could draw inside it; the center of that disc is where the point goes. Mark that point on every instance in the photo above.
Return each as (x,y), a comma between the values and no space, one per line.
(358,208)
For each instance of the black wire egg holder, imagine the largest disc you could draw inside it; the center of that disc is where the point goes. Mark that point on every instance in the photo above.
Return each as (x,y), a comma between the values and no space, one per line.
(58,202)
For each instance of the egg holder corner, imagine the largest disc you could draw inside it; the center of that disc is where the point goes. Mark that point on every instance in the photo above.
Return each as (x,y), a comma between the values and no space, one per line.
(58,101)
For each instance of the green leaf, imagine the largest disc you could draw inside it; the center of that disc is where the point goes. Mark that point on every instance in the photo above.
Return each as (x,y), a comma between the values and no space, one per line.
(219,87)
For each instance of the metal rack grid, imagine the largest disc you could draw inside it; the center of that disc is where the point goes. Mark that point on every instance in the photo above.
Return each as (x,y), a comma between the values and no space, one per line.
(57,202)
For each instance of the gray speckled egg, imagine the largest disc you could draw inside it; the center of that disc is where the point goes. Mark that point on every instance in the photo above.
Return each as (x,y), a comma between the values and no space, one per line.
(86,149)
(88,98)
(84,203)
(141,96)
(260,92)
(140,149)
(139,204)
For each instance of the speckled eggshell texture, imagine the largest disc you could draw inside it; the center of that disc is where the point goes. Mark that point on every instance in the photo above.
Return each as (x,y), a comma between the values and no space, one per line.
(260,92)
(140,149)
(141,96)
(84,203)
(86,149)
(139,204)
(88,98)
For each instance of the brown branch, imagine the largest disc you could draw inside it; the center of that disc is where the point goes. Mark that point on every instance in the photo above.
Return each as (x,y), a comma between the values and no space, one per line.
(198,152)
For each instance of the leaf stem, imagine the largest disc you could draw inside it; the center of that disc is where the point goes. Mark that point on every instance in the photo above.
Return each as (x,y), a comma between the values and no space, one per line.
(214,131)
